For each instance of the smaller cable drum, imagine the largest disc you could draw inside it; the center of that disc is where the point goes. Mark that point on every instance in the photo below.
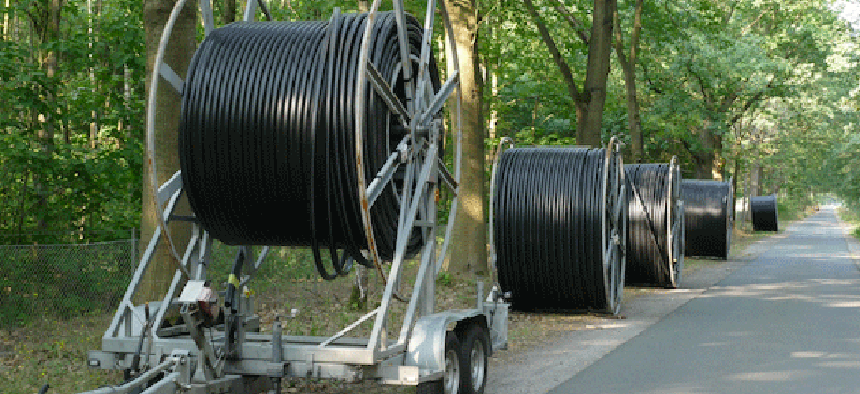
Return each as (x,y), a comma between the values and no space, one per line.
(708,216)
(556,228)
(654,224)
(764,213)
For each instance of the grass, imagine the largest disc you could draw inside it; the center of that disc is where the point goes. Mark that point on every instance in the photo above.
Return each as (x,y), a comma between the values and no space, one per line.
(53,352)
(852,217)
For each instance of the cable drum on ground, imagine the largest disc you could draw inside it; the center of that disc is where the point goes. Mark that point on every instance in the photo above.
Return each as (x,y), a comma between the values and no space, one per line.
(708,217)
(764,213)
(267,134)
(558,228)
(654,257)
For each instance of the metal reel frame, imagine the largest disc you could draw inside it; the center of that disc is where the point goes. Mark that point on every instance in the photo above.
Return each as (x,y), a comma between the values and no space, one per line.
(614,223)
(509,142)
(730,215)
(417,154)
(675,228)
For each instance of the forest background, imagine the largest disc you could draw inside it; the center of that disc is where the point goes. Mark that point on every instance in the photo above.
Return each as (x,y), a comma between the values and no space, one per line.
(762,92)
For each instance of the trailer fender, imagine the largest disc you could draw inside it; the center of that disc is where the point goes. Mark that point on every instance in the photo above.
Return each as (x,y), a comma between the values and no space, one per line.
(427,346)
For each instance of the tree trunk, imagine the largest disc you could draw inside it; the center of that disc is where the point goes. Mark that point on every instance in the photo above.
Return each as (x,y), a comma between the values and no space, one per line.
(469,246)
(589,102)
(628,65)
(229,11)
(708,159)
(178,55)
(93,33)
(46,24)
(6,35)
(588,130)
(363,5)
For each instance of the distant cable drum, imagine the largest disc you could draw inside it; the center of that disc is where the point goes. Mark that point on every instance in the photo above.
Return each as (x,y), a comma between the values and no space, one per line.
(554,247)
(267,133)
(764,213)
(708,216)
(654,255)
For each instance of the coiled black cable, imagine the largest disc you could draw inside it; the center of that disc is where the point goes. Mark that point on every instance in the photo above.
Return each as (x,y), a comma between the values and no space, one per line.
(267,134)
(649,254)
(708,217)
(549,210)
(764,213)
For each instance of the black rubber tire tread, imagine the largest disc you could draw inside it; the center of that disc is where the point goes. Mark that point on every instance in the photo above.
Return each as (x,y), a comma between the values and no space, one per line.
(473,332)
(648,259)
(708,217)
(267,134)
(548,208)
(431,387)
(764,213)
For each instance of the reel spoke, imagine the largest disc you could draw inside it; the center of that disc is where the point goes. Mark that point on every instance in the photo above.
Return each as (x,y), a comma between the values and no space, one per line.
(207,16)
(383,89)
(383,178)
(424,62)
(171,77)
(405,62)
(440,98)
(250,10)
(447,177)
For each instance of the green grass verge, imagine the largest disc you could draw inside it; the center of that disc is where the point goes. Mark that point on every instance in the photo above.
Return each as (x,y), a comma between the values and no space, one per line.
(53,352)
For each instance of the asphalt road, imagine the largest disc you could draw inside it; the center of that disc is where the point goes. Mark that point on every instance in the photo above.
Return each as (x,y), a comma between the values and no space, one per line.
(788,321)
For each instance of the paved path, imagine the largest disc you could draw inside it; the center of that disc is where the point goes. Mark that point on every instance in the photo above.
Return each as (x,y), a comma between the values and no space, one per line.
(786,322)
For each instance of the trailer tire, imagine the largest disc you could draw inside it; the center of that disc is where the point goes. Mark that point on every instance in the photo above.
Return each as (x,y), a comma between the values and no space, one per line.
(431,387)
(475,357)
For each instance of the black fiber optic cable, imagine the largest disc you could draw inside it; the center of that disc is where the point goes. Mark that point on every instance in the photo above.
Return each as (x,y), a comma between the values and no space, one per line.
(267,135)
(548,224)
(764,213)
(648,251)
(708,217)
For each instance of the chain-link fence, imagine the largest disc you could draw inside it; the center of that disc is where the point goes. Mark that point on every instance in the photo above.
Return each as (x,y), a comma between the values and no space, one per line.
(62,281)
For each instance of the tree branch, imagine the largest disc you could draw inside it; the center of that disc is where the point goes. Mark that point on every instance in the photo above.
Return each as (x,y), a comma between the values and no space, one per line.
(752,100)
(556,55)
(574,23)
(752,24)
(702,89)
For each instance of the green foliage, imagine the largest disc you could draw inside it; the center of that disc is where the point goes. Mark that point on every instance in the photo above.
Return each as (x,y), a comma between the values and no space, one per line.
(81,180)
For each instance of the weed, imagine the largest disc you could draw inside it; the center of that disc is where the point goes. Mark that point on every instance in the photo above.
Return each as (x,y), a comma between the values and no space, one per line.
(445,279)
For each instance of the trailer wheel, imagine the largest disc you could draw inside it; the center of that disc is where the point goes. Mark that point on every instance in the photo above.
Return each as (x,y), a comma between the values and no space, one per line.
(455,375)
(475,356)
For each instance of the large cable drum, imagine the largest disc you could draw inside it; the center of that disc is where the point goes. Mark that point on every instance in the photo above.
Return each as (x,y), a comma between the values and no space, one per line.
(764,212)
(268,132)
(708,217)
(559,228)
(655,228)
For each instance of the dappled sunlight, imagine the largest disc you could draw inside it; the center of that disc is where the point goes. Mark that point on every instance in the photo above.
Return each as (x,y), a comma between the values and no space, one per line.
(832,293)
(792,247)
(770,376)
